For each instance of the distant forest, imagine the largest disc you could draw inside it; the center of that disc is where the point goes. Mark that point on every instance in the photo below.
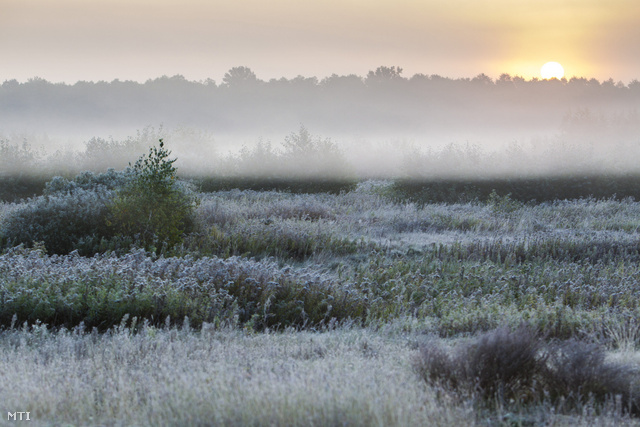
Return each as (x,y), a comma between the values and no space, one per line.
(382,101)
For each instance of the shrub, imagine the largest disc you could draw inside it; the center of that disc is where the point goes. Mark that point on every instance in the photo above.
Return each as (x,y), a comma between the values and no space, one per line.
(18,166)
(71,214)
(577,371)
(503,363)
(59,221)
(308,156)
(503,204)
(87,180)
(504,367)
(152,207)
(436,364)
(142,205)
(499,365)
(305,164)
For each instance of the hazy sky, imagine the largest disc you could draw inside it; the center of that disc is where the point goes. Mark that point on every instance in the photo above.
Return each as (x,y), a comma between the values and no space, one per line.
(70,40)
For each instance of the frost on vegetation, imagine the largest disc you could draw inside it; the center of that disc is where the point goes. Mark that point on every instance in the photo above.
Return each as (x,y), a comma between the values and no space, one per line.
(99,291)
(90,181)
(510,370)
(143,205)
(70,215)
(174,376)
(61,220)
(465,265)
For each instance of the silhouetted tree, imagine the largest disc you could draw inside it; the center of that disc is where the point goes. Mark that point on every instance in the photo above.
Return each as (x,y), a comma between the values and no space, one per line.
(239,76)
(384,74)
(482,79)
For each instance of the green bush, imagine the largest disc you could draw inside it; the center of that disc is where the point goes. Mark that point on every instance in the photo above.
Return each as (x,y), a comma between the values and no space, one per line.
(153,208)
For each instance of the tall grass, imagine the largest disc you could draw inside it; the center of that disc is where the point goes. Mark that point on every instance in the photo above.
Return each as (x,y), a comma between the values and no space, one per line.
(344,376)
(162,377)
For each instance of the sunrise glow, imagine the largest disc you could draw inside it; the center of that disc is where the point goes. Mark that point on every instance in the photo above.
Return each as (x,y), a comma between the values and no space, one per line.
(71,40)
(552,70)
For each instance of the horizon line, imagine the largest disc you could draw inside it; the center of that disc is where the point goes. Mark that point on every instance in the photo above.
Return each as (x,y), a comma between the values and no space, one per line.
(209,80)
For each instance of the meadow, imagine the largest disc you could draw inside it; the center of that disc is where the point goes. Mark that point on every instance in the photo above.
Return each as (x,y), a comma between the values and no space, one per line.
(369,305)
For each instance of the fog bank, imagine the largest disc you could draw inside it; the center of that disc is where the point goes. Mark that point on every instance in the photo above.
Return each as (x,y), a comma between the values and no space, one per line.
(379,125)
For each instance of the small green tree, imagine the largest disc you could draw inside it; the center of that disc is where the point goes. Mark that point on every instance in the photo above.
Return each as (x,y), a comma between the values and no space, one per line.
(153,208)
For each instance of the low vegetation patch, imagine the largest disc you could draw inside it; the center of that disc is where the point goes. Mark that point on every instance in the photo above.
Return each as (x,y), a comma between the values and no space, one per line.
(514,369)
(142,206)
(100,291)
(533,189)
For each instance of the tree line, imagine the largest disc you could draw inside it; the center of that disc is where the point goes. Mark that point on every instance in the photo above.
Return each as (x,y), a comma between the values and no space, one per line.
(383,100)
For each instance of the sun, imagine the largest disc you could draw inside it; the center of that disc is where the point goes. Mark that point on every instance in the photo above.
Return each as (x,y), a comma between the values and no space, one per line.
(552,70)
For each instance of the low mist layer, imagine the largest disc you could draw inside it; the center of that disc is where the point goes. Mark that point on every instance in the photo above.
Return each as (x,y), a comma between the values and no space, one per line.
(382,105)
(301,154)
(383,125)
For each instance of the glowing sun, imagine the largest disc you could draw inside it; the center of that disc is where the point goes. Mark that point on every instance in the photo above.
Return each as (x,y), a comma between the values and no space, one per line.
(552,70)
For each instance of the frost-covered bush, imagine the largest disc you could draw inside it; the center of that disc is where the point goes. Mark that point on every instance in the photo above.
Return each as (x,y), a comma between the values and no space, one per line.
(144,205)
(60,221)
(72,214)
(90,181)
(511,368)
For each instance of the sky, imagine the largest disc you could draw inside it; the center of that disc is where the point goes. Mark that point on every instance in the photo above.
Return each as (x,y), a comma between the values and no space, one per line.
(92,40)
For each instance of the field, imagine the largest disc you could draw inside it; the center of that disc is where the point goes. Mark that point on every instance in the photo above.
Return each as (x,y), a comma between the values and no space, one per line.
(356,308)
(452,241)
